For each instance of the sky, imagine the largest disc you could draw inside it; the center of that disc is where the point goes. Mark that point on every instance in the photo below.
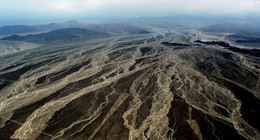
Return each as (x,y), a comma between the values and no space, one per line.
(37,9)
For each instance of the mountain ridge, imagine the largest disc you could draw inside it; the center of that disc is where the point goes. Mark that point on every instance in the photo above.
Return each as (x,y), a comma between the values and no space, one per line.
(20,29)
(56,35)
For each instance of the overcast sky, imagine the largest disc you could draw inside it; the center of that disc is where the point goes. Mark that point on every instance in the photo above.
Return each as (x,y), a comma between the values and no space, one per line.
(124,8)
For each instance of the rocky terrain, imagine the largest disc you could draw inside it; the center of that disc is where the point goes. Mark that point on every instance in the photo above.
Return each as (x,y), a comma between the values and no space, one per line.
(181,85)
(8,47)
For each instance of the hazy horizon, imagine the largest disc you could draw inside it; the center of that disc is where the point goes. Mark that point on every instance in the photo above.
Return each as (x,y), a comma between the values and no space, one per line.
(36,11)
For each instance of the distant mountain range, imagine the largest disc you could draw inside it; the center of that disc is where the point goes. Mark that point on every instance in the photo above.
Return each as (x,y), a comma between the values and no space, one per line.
(58,35)
(232,27)
(118,28)
(59,32)
(112,28)
(20,29)
(240,32)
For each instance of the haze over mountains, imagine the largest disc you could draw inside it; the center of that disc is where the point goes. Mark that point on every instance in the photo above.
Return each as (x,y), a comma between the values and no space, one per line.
(74,30)
(67,31)
(17,29)
(58,35)
(115,28)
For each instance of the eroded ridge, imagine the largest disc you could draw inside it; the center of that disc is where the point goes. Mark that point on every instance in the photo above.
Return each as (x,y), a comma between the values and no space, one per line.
(137,87)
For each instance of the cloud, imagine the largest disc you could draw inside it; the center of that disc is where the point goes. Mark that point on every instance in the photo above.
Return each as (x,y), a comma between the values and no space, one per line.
(129,7)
